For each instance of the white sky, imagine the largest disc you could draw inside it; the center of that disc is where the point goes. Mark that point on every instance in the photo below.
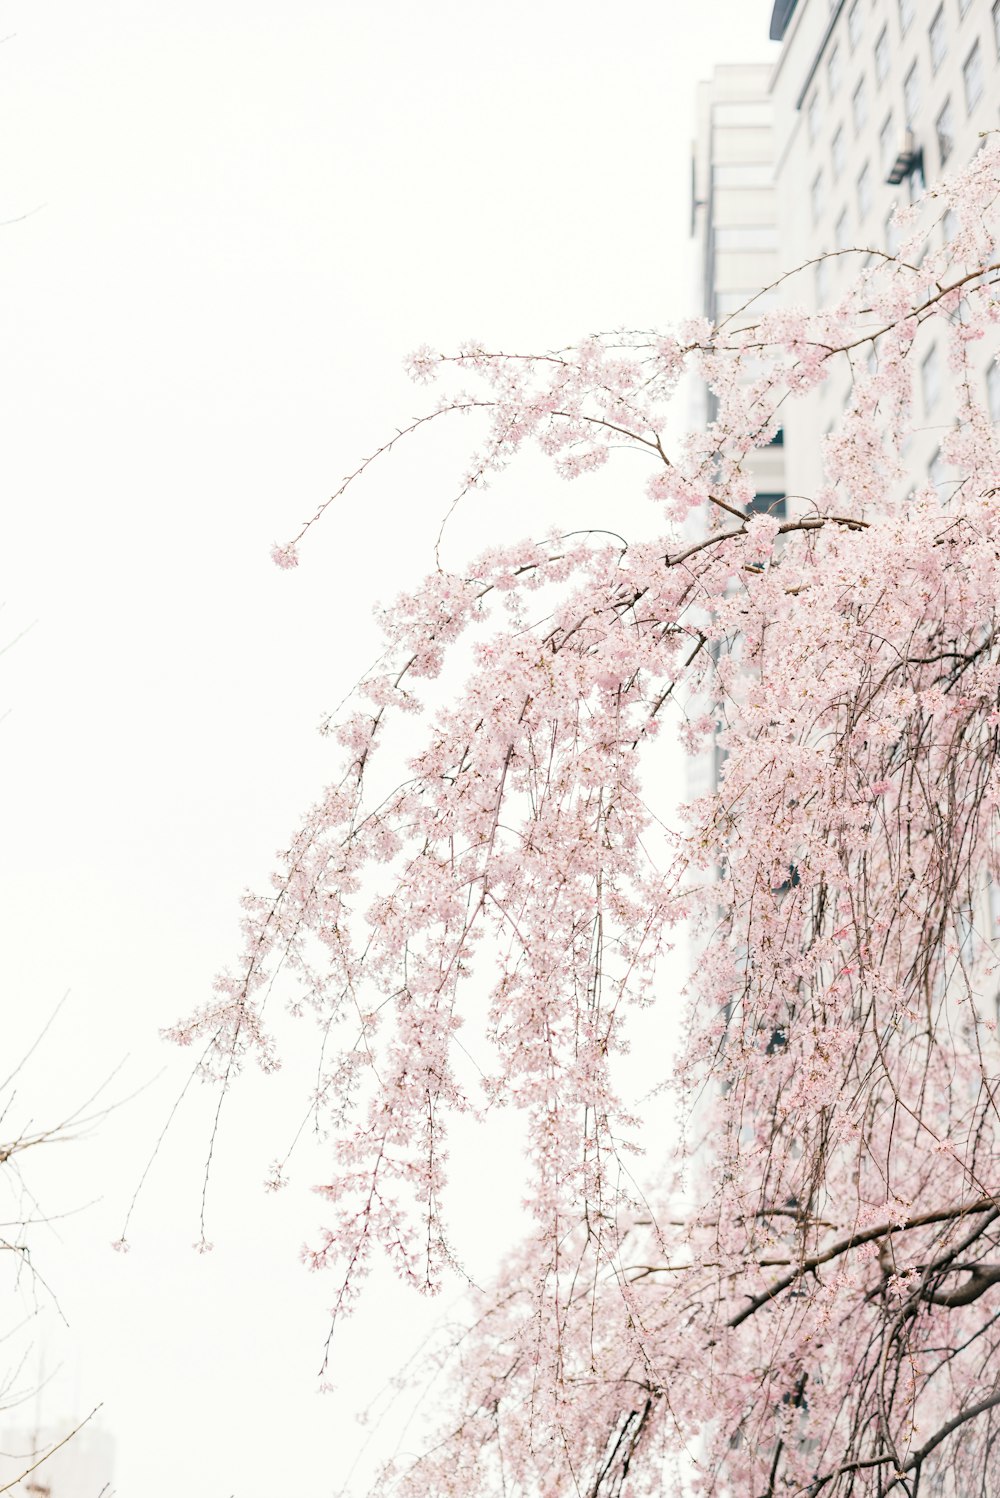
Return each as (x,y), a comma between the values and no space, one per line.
(247,214)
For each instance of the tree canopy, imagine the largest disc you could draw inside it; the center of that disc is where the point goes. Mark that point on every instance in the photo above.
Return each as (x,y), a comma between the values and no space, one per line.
(805,1299)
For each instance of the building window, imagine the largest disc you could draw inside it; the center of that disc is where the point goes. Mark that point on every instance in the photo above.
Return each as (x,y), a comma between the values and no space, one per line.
(911,94)
(864,192)
(821,270)
(936,469)
(859,106)
(938,39)
(972,76)
(887,141)
(764,503)
(963,6)
(814,113)
(930,379)
(817,196)
(996,25)
(945,128)
(840,231)
(833,71)
(905,15)
(949,227)
(993,391)
(882,55)
(838,151)
(854,24)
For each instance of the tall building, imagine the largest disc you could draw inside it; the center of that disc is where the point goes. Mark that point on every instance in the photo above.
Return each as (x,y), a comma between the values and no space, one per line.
(735,226)
(734,220)
(873,100)
(869,101)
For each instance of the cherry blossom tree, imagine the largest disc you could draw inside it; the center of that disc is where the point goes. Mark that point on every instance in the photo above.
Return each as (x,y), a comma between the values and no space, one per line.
(805,1298)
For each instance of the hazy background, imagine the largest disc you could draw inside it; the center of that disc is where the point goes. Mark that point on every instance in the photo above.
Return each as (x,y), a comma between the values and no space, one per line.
(241,217)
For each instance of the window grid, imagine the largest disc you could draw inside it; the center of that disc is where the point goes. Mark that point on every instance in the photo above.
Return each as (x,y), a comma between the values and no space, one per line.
(864,191)
(854,24)
(840,238)
(905,15)
(833,71)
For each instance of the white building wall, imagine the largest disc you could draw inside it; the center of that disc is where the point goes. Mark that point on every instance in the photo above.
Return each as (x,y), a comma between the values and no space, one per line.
(852,78)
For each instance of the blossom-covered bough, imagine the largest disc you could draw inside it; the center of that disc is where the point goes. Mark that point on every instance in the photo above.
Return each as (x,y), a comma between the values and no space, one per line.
(807,1298)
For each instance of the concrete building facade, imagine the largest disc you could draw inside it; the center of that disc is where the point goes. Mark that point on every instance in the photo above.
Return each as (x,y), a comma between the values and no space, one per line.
(869,102)
(874,100)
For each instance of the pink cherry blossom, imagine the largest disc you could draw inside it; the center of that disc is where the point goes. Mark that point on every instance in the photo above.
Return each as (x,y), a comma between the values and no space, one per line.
(803,1298)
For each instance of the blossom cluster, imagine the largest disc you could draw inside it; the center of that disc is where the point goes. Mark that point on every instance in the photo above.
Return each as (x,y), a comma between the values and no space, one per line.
(804,1307)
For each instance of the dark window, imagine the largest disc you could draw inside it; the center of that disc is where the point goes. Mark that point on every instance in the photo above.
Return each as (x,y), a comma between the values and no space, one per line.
(769,504)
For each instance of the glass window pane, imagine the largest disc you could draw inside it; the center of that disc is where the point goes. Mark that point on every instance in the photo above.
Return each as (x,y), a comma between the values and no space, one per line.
(937,469)
(859,106)
(938,39)
(814,113)
(911,94)
(882,55)
(817,196)
(838,151)
(930,379)
(972,75)
(945,127)
(993,391)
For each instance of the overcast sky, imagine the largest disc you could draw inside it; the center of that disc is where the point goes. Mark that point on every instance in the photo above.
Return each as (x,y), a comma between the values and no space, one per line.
(240,217)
